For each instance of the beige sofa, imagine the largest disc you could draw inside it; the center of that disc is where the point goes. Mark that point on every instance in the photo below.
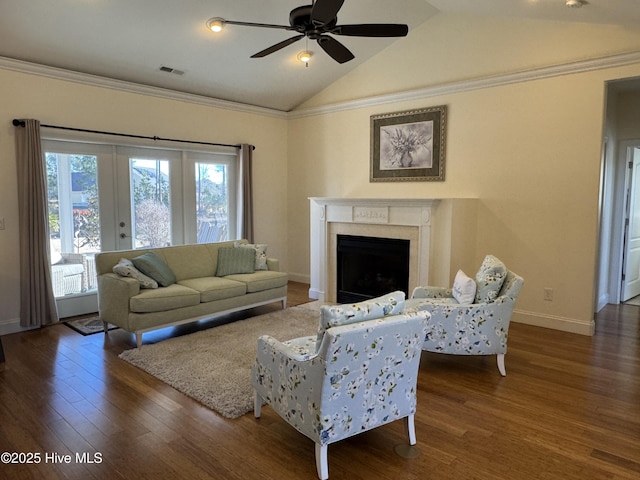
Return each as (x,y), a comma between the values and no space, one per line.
(197,293)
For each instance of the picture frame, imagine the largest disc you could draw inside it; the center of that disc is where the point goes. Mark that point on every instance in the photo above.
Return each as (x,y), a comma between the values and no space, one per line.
(409,146)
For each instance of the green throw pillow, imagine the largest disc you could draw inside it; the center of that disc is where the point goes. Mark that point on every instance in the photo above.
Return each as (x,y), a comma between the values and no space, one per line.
(153,266)
(235,260)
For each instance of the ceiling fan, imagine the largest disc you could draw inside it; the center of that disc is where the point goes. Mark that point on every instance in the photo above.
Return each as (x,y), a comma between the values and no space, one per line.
(318,22)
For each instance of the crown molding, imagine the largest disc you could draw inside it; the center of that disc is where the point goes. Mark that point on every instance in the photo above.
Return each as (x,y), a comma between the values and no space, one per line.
(571,68)
(131,87)
(580,66)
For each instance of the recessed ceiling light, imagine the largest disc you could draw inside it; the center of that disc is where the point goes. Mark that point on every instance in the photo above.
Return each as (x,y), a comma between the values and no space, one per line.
(215,24)
(575,3)
(305,56)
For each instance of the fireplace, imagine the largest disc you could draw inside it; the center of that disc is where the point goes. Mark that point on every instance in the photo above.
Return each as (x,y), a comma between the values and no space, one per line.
(406,219)
(368,267)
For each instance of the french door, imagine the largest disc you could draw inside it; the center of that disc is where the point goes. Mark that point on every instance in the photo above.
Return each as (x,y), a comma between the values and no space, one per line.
(148,193)
(106,197)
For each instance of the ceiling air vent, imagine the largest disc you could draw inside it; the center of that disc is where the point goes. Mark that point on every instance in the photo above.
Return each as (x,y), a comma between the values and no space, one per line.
(175,71)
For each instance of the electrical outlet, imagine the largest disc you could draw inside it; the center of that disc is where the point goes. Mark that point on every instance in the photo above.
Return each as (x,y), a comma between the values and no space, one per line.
(548,294)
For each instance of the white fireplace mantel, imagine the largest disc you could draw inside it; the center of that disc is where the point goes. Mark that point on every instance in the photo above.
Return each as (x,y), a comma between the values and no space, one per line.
(374,217)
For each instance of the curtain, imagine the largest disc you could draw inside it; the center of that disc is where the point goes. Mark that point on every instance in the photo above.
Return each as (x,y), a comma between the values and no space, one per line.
(37,301)
(245,193)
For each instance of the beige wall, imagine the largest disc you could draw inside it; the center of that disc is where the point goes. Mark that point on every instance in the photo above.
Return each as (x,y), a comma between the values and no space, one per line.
(67,103)
(530,151)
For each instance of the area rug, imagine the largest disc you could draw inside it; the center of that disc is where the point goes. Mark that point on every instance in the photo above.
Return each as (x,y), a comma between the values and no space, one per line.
(88,326)
(214,366)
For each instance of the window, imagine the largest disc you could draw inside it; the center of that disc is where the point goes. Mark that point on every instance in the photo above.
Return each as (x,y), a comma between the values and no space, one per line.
(74,221)
(212,201)
(108,197)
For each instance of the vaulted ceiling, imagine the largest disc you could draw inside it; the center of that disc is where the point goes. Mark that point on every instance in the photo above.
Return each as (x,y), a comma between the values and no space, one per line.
(131,40)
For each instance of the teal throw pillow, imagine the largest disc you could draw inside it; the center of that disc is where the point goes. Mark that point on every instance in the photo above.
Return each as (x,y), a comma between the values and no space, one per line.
(235,260)
(153,266)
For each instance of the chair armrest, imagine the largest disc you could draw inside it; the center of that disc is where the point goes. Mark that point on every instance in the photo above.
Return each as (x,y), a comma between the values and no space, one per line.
(432,292)
(287,380)
(270,348)
(57,281)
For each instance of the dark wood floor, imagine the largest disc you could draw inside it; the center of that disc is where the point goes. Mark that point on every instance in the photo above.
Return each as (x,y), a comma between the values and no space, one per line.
(569,408)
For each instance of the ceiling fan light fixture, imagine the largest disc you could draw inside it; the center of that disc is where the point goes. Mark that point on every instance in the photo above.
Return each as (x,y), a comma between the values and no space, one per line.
(305,56)
(574,3)
(215,24)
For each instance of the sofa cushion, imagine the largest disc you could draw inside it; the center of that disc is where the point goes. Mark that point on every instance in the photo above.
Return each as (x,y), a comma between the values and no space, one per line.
(235,260)
(190,261)
(464,288)
(261,280)
(162,299)
(489,279)
(155,267)
(125,268)
(215,288)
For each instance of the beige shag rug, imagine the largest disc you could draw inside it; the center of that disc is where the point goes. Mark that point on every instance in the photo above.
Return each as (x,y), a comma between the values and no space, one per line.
(214,366)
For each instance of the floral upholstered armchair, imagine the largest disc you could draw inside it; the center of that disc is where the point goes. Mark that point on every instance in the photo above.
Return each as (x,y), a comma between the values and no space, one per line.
(473,317)
(358,373)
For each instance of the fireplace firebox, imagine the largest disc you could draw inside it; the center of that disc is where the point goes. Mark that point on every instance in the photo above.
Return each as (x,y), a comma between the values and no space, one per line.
(368,267)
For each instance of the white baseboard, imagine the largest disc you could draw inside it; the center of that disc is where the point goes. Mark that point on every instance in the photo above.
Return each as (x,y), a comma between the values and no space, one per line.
(316,294)
(299,277)
(12,325)
(564,324)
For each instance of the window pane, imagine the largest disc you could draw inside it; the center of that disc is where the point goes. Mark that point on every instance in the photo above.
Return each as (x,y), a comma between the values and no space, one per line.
(74,221)
(150,202)
(212,202)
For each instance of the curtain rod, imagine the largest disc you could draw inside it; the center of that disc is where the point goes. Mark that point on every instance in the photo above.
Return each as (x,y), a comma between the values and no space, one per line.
(20,123)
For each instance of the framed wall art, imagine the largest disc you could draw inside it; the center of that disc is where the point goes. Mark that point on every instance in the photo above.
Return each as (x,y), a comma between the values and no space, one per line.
(408,146)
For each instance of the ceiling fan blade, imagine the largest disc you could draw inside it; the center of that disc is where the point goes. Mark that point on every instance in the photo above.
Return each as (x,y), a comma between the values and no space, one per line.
(335,49)
(277,46)
(372,30)
(324,11)
(262,25)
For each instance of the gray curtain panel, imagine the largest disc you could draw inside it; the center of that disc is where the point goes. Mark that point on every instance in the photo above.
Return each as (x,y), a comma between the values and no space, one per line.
(245,207)
(37,301)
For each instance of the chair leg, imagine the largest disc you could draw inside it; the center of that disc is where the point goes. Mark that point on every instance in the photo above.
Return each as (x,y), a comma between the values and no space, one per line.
(138,339)
(322,466)
(257,405)
(503,372)
(411,429)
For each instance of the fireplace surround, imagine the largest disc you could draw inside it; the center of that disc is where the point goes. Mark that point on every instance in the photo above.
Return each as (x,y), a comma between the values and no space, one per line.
(426,223)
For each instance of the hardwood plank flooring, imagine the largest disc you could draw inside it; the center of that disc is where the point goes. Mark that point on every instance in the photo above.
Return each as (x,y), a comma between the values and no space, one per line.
(569,408)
